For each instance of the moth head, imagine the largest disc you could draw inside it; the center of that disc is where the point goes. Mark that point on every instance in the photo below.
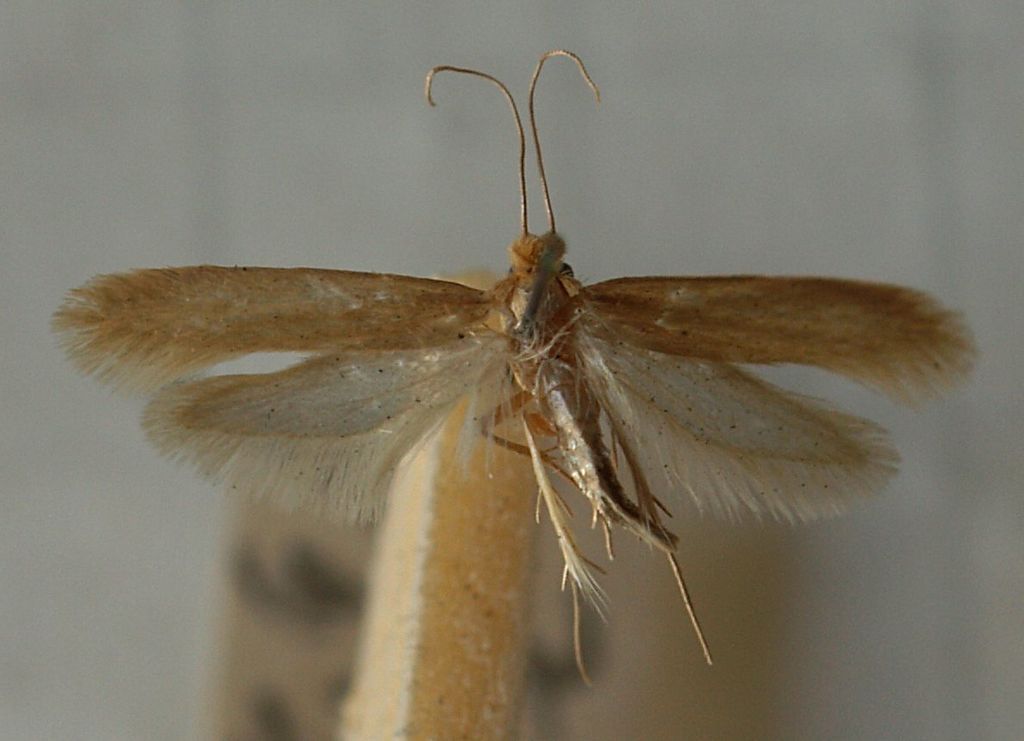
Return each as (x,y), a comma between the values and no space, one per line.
(536,262)
(531,252)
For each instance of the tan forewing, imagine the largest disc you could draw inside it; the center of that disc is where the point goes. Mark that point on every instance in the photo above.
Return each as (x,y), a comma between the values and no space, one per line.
(731,442)
(328,431)
(896,339)
(145,328)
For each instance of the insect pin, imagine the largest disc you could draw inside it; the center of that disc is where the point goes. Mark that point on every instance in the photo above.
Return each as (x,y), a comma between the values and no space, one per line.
(629,391)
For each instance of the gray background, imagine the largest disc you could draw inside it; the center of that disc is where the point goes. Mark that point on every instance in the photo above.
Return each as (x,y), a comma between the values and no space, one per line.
(871,139)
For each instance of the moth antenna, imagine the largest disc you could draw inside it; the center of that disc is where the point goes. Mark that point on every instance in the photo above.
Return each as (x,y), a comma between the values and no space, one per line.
(681,583)
(427,89)
(533,119)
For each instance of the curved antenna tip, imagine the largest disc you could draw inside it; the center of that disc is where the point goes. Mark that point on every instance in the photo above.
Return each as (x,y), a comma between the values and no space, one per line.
(584,73)
(427,90)
(533,118)
(428,86)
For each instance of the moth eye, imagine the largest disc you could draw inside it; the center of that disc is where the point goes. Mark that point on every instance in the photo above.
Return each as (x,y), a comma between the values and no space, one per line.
(566,270)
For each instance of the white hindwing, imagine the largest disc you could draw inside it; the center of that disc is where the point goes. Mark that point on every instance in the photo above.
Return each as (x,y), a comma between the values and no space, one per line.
(331,430)
(733,442)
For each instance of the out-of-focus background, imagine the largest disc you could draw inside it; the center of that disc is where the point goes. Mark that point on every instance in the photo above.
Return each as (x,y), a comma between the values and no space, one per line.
(874,139)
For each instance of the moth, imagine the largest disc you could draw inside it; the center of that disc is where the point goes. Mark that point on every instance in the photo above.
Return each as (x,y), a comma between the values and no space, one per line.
(629,391)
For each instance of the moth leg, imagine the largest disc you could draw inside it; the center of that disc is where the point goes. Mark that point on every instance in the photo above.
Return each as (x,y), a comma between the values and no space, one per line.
(577,566)
(525,451)
(577,642)
(688,603)
(608,545)
(647,505)
(540,424)
(537,422)
(489,423)
(516,404)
